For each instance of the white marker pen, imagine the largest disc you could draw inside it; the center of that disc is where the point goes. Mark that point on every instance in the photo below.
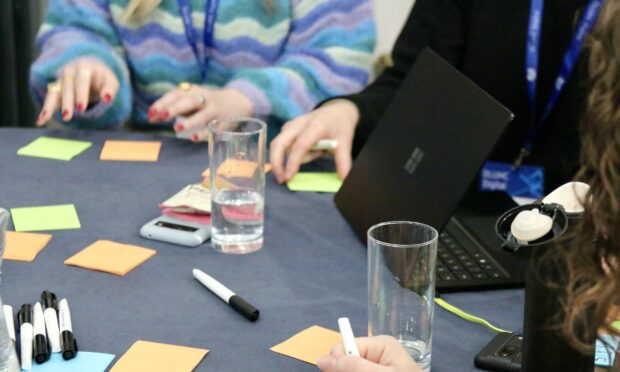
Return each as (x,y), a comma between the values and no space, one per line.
(51,320)
(324,145)
(68,345)
(350,346)
(8,318)
(237,303)
(26,334)
(40,348)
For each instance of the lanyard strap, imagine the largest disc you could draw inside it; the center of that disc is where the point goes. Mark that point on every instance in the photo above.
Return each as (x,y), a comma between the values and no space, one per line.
(587,21)
(210,16)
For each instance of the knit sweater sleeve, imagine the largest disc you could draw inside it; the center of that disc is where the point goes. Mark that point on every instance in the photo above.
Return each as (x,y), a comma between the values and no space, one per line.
(328,53)
(82,28)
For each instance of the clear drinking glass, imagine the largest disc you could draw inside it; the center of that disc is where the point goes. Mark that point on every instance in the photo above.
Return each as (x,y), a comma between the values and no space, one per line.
(236,162)
(401,285)
(8,358)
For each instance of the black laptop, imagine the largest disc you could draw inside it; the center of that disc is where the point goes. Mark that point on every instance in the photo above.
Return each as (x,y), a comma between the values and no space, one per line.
(419,164)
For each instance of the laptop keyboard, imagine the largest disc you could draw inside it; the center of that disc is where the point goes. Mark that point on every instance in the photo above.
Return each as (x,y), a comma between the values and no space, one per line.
(456,263)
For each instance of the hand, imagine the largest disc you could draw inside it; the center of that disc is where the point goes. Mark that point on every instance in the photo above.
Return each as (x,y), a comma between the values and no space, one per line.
(199,106)
(378,354)
(81,81)
(335,120)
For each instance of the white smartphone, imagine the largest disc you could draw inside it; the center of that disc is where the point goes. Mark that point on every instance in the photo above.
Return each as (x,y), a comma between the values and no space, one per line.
(175,231)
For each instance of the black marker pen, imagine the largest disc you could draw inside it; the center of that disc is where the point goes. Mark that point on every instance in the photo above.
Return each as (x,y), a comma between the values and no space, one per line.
(50,314)
(26,333)
(239,304)
(68,345)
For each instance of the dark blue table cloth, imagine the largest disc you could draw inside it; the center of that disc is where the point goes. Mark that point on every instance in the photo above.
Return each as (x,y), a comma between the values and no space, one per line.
(311,270)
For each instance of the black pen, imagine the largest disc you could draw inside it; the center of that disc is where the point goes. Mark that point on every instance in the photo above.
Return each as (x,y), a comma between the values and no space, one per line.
(239,304)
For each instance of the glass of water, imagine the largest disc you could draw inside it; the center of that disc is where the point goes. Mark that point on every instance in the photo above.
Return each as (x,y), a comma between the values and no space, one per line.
(236,163)
(401,285)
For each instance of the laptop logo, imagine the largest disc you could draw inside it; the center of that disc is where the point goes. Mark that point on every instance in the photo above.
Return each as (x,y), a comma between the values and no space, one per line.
(414,160)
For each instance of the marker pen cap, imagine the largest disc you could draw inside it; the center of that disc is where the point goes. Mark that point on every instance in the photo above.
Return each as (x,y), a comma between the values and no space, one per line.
(24,315)
(41,349)
(49,300)
(68,345)
(242,307)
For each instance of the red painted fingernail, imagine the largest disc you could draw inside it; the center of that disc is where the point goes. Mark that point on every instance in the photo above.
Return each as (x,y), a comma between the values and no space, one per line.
(65,113)
(195,138)
(107,98)
(80,107)
(152,112)
(179,127)
(165,115)
(42,114)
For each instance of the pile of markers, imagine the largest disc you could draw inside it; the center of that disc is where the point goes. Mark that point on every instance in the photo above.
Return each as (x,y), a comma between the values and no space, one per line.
(42,330)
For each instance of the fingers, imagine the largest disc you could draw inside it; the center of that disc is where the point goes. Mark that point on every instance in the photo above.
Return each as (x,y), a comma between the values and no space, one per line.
(68,91)
(349,364)
(313,132)
(343,158)
(188,103)
(82,88)
(280,145)
(159,110)
(50,105)
(197,123)
(107,85)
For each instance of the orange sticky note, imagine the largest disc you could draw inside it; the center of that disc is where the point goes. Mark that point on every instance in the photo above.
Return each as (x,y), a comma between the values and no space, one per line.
(152,356)
(111,257)
(236,168)
(309,345)
(24,246)
(130,150)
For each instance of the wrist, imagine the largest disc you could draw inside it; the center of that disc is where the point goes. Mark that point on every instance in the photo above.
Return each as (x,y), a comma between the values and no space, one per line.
(244,106)
(346,108)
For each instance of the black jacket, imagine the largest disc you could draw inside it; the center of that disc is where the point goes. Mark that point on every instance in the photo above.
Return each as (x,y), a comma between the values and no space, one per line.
(486,40)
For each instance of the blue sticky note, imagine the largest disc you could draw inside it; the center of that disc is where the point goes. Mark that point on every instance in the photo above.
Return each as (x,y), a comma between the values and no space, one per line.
(84,361)
(525,181)
(606,347)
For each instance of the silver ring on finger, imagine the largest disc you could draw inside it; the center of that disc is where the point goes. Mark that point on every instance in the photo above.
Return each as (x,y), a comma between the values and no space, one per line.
(201,99)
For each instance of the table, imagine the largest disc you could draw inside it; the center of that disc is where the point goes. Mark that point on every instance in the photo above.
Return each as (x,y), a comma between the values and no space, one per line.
(311,270)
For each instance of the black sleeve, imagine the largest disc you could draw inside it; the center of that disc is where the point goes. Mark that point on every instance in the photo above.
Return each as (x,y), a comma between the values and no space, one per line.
(438,24)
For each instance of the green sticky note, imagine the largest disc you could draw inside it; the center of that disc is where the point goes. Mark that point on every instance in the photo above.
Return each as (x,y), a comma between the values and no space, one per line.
(317,182)
(54,148)
(53,217)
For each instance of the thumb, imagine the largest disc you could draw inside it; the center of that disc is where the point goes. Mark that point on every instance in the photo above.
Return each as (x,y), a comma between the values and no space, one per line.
(349,364)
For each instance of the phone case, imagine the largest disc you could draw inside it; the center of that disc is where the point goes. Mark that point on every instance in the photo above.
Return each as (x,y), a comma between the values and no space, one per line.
(502,353)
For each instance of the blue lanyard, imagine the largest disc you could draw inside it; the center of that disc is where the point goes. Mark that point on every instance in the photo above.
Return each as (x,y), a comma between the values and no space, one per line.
(588,19)
(210,17)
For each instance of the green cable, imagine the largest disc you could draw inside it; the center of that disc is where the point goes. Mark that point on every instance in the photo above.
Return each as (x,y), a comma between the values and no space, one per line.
(470,318)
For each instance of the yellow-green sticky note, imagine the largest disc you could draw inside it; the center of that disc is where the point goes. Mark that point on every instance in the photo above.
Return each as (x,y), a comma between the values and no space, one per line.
(52,217)
(54,148)
(315,182)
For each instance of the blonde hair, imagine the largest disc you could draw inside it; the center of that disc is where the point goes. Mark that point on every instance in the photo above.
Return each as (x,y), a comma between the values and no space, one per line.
(139,10)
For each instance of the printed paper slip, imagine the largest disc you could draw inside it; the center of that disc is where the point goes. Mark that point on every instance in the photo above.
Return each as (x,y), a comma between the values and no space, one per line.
(192,199)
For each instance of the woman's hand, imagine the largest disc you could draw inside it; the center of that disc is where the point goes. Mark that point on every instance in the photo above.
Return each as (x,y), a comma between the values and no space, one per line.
(198,106)
(377,354)
(81,82)
(335,120)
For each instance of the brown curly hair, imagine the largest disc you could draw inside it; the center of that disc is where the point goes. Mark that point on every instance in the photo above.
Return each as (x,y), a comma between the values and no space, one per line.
(593,251)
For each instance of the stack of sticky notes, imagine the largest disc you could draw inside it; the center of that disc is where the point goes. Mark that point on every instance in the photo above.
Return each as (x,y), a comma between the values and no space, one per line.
(83,361)
(146,151)
(152,356)
(193,203)
(233,168)
(309,345)
(54,148)
(45,218)
(315,182)
(24,246)
(111,257)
